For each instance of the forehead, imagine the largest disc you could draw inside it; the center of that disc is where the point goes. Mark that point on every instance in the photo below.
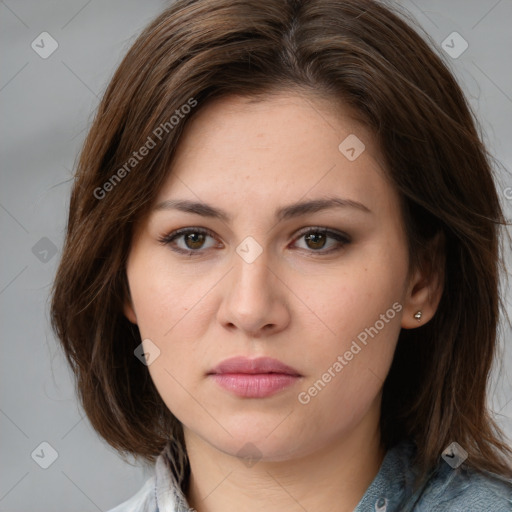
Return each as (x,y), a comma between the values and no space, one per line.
(275,150)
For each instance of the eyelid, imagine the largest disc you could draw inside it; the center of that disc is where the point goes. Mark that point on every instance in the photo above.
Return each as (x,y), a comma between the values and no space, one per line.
(342,239)
(168,238)
(324,230)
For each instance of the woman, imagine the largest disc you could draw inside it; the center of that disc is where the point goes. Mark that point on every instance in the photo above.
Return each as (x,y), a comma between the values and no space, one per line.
(280,277)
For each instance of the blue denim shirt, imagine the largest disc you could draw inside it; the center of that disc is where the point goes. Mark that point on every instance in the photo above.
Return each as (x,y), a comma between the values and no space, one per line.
(447,489)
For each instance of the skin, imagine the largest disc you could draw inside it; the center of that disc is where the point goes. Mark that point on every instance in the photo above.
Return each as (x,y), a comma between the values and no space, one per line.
(292,303)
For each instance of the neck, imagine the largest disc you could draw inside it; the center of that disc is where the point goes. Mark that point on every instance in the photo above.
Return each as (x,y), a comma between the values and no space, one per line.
(332,478)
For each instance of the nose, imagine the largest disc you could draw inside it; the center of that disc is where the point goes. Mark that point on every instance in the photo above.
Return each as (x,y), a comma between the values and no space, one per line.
(255,299)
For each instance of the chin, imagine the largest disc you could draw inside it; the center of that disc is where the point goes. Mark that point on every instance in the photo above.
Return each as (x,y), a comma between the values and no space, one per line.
(257,440)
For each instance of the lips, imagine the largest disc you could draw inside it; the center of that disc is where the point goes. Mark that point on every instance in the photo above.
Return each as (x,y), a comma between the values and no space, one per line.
(253,366)
(254,378)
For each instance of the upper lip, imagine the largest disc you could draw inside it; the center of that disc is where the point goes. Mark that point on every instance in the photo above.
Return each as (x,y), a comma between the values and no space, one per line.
(253,366)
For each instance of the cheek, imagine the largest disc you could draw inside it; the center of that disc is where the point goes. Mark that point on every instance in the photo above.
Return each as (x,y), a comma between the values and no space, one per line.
(163,298)
(360,312)
(345,302)
(350,370)
(171,313)
(168,312)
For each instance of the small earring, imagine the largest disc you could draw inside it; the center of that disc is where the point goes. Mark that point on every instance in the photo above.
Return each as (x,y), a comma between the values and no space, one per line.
(418,316)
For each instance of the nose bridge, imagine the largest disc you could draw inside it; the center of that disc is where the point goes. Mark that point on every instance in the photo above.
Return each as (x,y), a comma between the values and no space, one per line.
(251,263)
(251,300)
(252,276)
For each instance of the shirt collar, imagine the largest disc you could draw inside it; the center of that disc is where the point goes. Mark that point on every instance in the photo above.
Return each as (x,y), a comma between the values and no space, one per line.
(171,471)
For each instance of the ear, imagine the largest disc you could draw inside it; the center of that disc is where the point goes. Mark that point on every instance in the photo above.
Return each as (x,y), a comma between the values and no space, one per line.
(128,309)
(129,312)
(425,285)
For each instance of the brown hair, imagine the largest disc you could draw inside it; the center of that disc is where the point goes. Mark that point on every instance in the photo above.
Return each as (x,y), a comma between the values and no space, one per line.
(359,52)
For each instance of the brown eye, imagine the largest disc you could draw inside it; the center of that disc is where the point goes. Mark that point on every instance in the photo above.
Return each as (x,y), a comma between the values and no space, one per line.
(188,241)
(315,240)
(194,240)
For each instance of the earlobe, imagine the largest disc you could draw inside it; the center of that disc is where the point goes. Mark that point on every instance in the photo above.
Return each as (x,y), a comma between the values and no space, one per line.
(425,289)
(421,304)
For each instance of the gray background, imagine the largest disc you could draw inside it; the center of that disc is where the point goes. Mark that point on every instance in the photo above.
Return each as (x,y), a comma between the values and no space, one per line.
(46,108)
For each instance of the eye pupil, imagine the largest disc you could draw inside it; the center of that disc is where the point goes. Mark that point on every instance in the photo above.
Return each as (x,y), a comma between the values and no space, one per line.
(314,237)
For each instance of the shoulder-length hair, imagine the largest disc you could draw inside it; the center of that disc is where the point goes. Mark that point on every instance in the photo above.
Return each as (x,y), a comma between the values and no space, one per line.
(367,56)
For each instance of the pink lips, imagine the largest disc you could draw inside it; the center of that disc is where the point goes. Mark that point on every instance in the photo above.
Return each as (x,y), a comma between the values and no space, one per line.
(254,378)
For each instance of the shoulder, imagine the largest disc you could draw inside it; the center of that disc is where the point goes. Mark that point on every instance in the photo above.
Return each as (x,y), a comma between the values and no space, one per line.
(445,490)
(462,490)
(143,501)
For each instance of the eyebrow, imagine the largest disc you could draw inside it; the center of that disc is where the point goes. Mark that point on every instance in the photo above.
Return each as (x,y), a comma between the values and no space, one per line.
(284,213)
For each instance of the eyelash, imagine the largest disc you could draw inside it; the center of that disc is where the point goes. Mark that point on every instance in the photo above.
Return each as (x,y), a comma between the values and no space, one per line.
(341,238)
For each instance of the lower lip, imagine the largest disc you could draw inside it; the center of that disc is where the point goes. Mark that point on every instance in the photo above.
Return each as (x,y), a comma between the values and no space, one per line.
(258,385)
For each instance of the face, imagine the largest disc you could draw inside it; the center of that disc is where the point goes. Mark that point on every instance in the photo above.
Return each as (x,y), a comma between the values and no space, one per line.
(321,289)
